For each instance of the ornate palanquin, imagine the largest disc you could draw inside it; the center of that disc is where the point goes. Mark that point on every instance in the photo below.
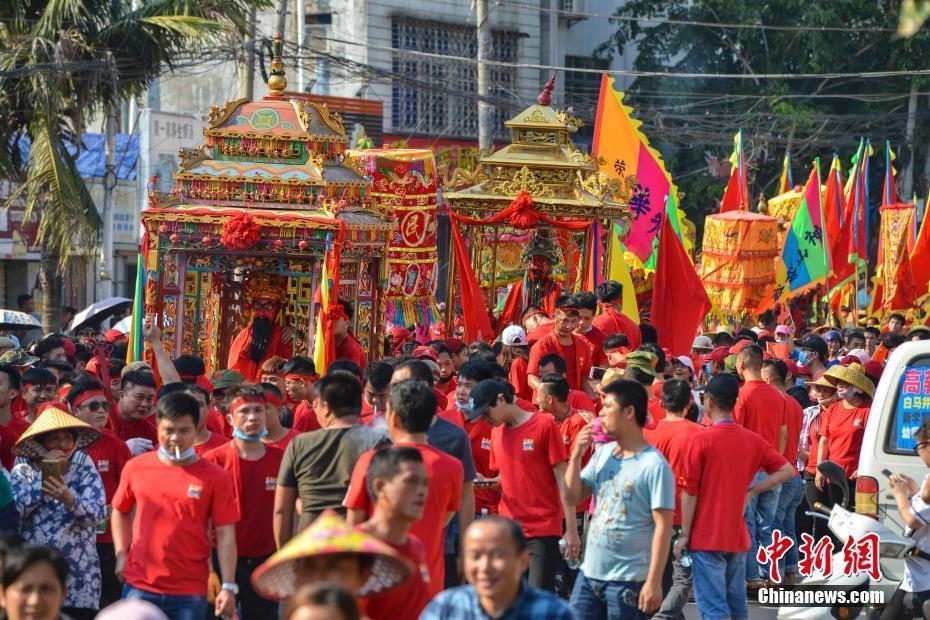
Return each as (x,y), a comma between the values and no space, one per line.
(560,188)
(269,188)
(738,259)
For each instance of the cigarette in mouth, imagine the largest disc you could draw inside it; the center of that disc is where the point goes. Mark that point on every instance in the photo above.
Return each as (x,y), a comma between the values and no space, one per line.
(177,453)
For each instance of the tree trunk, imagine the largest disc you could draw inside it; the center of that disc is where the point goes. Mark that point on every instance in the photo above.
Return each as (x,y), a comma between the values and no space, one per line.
(51,281)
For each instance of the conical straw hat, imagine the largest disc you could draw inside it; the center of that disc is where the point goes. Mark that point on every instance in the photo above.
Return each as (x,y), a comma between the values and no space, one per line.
(276,578)
(853,374)
(53,419)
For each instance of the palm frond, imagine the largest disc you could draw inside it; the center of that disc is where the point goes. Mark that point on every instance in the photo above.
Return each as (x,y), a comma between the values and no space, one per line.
(53,188)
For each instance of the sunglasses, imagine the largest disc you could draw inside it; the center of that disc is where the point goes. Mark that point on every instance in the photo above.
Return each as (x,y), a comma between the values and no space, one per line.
(99,405)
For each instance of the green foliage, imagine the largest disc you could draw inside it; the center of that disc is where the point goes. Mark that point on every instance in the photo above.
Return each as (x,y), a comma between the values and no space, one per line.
(694,119)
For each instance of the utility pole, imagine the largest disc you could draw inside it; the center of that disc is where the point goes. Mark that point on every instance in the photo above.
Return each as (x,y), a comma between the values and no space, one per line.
(907,185)
(246,66)
(282,17)
(484,47)
(301,26)
(105,275)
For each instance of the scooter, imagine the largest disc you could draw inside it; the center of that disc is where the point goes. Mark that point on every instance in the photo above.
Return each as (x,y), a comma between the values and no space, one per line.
(844,524)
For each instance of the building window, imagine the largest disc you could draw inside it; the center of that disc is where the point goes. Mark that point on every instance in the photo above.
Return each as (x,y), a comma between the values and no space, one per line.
(436,97)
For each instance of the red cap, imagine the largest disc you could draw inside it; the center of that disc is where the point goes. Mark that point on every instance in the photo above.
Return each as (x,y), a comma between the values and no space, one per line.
(849,359)
(739,346)
(68,346)
(400,334)
(205,383)
(91,367)
(422,352)
(873,369)
(455,345)
(719,354)
(113,335)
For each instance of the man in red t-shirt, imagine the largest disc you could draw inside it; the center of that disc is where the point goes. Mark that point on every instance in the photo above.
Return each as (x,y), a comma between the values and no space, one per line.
(529,453)
(554,364)
(791,493)
(409,414)
(575,350)
(670,436)
(398,481)
(175,496)
(761,409)
(252,466)
(89,403)
(299,375)
(129,418)
(447,368)
(587,307)
(720,478)
(11,425)
(347,345)
(611,320)
(39,387)
(376,389)
(278,435)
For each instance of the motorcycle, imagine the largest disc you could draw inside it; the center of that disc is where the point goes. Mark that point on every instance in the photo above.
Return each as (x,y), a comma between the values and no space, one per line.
(845,524)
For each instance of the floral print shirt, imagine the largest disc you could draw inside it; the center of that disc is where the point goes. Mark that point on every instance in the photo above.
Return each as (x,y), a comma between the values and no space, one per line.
(73,531)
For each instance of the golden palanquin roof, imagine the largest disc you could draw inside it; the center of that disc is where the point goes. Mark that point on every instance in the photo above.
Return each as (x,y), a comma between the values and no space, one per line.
(275,154)
(542,160)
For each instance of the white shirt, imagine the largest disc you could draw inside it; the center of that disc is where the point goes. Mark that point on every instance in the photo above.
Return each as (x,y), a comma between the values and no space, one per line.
(917,570)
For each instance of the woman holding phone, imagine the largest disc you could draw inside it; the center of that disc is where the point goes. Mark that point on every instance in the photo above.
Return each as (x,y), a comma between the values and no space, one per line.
(61,501)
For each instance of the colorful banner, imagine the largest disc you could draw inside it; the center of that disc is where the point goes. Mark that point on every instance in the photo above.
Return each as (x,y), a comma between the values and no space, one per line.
(618,269)
(626,152)
(913,405)
(804,262)
(736,194)
(405,183)
(897,279)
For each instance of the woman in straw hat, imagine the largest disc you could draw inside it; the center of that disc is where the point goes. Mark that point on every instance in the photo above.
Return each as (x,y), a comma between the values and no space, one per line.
(331,550)
(823,393)
(64,509)
(843,425)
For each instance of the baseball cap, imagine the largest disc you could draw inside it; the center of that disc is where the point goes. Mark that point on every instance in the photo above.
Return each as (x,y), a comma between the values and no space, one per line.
(642,360)
(425,353)
(814,343)
(702,342)
(782,330)
(483,396)
(686,362)
(514,335)
(719,354)
(226,378)
(861,355)
(739,346)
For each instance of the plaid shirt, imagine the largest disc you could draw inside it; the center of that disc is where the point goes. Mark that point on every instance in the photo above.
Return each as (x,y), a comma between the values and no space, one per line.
(462,604)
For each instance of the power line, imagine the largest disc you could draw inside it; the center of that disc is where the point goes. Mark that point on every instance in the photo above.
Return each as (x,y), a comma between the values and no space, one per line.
(703,24)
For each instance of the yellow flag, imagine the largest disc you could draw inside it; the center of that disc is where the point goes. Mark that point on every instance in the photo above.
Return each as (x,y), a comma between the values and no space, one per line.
(319,340)
(619,270)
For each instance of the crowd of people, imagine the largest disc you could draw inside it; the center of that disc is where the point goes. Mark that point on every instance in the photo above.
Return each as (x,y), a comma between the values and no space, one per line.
(573,468)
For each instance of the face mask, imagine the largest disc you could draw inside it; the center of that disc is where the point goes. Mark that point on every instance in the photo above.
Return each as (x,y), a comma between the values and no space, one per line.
(707,368)
(187,454)
(467,407)
(848,393)
(249,438)
(804,357)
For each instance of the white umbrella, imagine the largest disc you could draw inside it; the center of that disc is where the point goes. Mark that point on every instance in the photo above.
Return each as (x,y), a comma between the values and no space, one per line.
(124,326)
(99,311)
(11,319)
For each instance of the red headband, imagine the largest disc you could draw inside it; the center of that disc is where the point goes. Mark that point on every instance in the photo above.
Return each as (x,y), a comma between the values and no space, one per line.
(280,375)
(244,400)
(293,376)
(86,396)
(534,313)
(273,398)
(338,312)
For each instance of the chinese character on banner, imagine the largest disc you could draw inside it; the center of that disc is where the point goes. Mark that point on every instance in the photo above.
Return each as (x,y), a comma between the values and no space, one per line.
(861,556)
(815,557)
(913,382)
(773,553)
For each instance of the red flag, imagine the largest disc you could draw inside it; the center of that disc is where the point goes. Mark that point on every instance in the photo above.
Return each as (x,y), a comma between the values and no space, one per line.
(731,195)
(837,234)
(904,293)
(679,301)
(477,323)
(920,259)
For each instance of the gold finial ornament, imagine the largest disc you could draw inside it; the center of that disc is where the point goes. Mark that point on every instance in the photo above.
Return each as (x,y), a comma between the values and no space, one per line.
(276,81)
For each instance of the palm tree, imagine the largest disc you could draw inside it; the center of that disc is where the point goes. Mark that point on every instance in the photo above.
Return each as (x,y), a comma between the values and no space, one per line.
(61,63)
